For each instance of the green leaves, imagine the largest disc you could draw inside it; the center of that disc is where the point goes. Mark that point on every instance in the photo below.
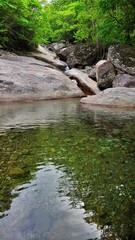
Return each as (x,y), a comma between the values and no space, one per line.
(93,21)
(23,24)
(120,15)
(26,23)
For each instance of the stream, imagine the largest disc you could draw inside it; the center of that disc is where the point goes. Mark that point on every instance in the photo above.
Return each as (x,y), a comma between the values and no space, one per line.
(67,172)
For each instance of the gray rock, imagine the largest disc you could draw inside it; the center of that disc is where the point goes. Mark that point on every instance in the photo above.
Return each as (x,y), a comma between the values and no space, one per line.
(82,56)
(113,97)
(92,74)
(105,74)
(65,52)
(46,51)
(123,58)
(45,55)
(124,80)
(76,55)
(86,84)
(28,79)
(57,46)
(90,70)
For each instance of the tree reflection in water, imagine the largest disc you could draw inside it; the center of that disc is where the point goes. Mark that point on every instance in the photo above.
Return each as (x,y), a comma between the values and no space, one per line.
(95,151)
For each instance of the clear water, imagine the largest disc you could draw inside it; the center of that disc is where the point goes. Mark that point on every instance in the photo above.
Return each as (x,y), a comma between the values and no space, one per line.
(67,172)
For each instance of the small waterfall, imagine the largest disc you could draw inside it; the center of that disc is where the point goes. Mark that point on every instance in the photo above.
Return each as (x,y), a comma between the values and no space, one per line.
(67,68)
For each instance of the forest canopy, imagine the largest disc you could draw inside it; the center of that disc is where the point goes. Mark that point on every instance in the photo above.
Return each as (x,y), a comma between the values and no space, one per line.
(26,23)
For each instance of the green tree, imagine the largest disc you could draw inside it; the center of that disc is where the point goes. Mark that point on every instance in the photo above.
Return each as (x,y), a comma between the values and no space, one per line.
(117,21)
(99,21)
(63,19)
(23,24)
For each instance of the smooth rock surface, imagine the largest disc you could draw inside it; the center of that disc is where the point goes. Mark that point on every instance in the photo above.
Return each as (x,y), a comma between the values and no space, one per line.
(86,84)
(47,56)
(113,97)
(105,74)
(28,79)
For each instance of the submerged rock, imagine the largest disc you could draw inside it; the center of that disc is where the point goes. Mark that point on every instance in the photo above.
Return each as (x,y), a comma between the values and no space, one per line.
(112,97)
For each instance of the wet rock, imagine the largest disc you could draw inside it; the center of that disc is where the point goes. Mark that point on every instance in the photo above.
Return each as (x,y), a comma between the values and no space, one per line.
(123,58)
(28,79)
(105,74)
(124,80)
(86,84)
(113,97)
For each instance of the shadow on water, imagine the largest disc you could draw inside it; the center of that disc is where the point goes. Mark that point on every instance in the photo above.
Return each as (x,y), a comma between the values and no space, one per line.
(67,172)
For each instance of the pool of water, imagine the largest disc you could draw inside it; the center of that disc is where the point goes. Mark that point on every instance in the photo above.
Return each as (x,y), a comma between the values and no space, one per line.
(67,172)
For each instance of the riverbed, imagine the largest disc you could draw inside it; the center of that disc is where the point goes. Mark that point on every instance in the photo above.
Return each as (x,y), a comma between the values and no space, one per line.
(66,172)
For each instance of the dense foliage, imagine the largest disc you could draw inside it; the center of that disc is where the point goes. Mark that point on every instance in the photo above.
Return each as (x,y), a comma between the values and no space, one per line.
(23,24)
(108,21)
(26,23)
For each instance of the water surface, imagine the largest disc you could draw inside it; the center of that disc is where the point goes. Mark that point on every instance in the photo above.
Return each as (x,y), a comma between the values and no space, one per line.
(66,172)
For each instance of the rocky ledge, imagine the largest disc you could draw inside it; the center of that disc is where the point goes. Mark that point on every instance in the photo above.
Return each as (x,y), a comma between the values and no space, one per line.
(27,79)
(113,97)
(41,75)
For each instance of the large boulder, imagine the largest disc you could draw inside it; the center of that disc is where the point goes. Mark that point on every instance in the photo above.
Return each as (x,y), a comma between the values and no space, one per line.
(25,78)
(105,74)
(113,97)
(124,80)
(82,55)
(64,53)
(57,46)
(86,84)
(78,55)
(123,58)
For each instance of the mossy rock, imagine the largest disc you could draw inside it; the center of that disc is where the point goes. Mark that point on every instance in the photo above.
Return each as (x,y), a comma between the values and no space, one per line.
(122,57)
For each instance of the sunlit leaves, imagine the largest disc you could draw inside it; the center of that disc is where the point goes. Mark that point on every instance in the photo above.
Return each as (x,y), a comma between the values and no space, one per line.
(93,21)
(26,23)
